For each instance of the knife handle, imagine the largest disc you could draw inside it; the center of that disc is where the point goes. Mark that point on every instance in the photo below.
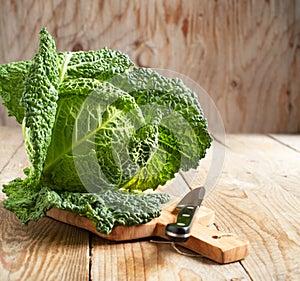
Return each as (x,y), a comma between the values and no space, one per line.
(180,230)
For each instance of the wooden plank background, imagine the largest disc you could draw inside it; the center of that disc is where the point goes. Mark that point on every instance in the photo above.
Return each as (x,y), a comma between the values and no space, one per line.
(245,54)
(257,197)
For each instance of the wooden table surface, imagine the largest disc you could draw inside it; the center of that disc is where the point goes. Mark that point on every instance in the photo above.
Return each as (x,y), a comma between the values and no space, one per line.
(257,197)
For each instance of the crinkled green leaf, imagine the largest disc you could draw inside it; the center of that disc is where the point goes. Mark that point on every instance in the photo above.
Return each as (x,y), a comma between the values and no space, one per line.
(111,208)
(92,129)
(40,102)
(176,101)
(27,202)
(101,64)
(12,79)
(173,110)
(105,209)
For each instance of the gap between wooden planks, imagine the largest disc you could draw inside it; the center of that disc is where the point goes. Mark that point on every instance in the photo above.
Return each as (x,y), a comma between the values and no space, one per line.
(51,250)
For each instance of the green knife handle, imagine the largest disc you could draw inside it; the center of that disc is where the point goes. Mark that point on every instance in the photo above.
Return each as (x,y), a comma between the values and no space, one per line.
(179,231)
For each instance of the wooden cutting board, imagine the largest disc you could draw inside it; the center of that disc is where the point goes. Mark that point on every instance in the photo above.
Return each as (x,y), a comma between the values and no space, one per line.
(210,243)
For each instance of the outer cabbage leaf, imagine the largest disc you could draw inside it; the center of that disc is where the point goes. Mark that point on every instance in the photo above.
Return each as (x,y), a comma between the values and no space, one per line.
(59,168)
(173,110)
(87,151)
(105,209)
(28,203)
(110,208)
(101,64)
(40,102)
(12,80)
(171,95)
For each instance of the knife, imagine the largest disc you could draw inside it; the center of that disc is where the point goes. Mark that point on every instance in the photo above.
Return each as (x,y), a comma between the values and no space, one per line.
(189,206)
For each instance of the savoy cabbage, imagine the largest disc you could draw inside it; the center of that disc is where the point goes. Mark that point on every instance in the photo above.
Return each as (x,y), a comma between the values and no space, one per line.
(98,131)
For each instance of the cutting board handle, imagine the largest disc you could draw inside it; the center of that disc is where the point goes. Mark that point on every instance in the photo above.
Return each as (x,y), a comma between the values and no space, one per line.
(210,243)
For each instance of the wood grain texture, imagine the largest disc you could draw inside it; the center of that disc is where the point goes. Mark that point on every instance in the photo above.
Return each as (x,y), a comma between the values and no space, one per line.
(245,54)
(258,197)
(44,250)
(51,250)
(13,158)
(142,260)
(8,148)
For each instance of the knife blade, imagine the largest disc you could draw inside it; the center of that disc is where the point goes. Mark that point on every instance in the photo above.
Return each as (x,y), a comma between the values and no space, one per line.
(189,205)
